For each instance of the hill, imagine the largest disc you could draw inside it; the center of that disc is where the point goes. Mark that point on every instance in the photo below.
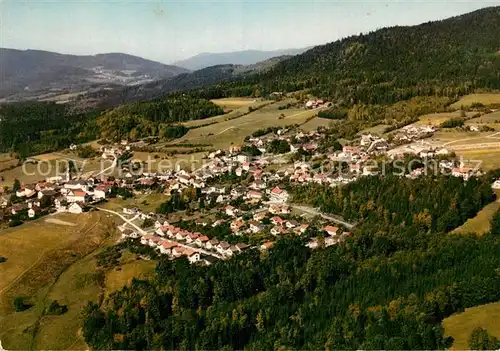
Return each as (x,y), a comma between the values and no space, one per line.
(451,57)
(246,57)
(31,73)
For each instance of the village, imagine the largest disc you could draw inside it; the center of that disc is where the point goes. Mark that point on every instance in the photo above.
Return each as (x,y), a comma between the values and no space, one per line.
(242,192)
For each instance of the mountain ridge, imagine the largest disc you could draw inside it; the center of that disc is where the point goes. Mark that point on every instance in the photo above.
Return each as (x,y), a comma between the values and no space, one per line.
(242,57)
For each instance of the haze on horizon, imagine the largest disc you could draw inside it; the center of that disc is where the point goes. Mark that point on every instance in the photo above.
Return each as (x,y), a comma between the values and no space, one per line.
(169,31)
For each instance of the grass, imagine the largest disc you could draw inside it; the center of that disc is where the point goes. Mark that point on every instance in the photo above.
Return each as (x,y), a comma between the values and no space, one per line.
(460,325)
(489,118)
(378,129)
(49,166)
(234,103)
(315,123)
(481,223)
(119,277)
(485,99)
(42,258)
(165,162)
(435,119)
(147,203)
(225,133)
(490,158)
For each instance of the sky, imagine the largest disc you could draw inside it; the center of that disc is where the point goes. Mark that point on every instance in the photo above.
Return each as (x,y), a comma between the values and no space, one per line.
(167,31)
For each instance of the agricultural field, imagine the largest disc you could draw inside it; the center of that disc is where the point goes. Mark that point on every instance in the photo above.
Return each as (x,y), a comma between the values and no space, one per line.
(481,223)
(54,258)
(315,123)
(379,129)
(485,99)
(223,134)
(435,119)
(460,325)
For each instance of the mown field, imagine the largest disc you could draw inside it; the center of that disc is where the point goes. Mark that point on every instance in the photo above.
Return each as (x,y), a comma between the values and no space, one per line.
(234,103)
(485,99)
(47,262)
(460,325)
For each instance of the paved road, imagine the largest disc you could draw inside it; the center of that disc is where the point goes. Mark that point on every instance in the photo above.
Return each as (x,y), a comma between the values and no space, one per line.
(315,212)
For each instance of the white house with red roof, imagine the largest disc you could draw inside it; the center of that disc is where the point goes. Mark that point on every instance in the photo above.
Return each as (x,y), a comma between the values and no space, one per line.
(77,195)
(331,230)
(279,195)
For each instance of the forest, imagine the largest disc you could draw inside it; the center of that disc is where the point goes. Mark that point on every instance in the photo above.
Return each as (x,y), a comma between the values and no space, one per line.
(31,128)
(159,117)
(447,58)
(388,286)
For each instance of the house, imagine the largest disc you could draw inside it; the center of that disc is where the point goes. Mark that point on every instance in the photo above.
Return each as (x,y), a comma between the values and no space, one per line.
(242,247)
(279,209)
(279,195)
(252,194)
(75,208)
(192,255)
(26,191)
(49,193)
(34,211)
(277,230)
(259,216)
(301,229)
(278,221)
(267,245)
(218,222)
(77,195)
(291,224)
(76,184)
(145,239)
(222,247)
(201,240)
(496,184)
(166,247)
(330,230)
(212,244)
(191,237)
(350,151)
(231,211)
(238,191)
(18,208)
(255,226)
(177,251)
(236,225)
(463,172)
(102,191)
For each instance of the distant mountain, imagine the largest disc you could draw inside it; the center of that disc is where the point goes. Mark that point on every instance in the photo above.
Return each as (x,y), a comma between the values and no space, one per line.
(246,57)
(206,77)
(26,73)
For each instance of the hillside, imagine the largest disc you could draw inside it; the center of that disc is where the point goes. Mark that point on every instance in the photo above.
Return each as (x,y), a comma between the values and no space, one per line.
(450,57)
(33,72)
(245,57)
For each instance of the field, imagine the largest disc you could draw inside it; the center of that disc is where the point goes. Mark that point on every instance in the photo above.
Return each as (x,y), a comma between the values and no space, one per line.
(485,99)
(378,129)
(165,162)
(234,103)
(225,133)
(435,119)
(490,119)
(49,165)
(481,223)
(460,325)
(49,261)
(147,203)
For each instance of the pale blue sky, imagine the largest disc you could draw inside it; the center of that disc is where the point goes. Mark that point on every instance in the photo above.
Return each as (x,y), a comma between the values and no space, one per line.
(167,31)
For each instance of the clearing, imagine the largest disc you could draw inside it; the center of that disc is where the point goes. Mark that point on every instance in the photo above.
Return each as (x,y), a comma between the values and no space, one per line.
(460,325)
(225,133)
(435,119)
(485,99)
(234,103)
(481,223)
(147,203)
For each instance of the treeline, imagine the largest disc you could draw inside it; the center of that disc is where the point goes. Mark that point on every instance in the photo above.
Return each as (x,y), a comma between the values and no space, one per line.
(160,117)
(30,128)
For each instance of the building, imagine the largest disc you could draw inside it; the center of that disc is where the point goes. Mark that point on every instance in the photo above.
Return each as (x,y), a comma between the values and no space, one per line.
(279,195)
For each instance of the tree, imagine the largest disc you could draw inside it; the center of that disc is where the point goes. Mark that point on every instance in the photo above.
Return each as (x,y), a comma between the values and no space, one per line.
(479,339)
(495,224)
(16,186)
(19,304)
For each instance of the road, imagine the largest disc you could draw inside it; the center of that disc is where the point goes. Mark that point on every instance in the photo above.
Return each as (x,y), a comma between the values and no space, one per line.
(315,212)
(143,232)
